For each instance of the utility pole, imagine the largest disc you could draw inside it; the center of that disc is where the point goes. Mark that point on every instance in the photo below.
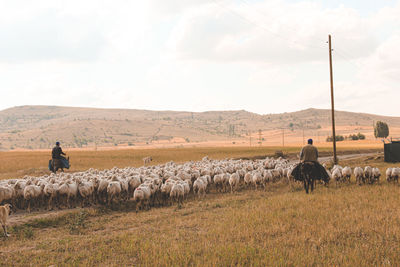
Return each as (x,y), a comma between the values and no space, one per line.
(332,102)
(259,137)
(283,137)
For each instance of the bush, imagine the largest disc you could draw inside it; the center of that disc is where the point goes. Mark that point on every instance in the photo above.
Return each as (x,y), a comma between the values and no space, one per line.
(338,138)
(361,136)
(358,136)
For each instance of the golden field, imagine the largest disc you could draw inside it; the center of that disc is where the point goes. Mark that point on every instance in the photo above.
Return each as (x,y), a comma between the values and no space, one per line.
(348,225)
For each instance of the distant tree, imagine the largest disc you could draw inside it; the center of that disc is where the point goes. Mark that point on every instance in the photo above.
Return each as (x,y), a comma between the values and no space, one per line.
(353,137)
(361,136)
(381,129)
(338,138)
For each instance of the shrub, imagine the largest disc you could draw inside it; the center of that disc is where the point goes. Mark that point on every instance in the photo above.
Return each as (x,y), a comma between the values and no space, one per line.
(338,138)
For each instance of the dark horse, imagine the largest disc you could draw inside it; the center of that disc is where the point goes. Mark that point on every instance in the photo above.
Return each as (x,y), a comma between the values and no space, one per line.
(55,164)
(308,173)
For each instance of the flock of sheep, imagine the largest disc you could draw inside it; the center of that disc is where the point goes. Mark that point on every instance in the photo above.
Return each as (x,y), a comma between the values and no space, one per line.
(367,175)
(160,185)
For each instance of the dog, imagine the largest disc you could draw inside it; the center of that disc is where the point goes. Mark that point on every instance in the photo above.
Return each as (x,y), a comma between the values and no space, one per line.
(5,211)
(147,160)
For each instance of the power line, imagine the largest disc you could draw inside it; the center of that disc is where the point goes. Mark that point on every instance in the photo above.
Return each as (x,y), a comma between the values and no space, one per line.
(322,40)
(230,10)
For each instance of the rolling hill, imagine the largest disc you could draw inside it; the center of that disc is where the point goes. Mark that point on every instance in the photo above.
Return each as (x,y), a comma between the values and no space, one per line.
(38,127)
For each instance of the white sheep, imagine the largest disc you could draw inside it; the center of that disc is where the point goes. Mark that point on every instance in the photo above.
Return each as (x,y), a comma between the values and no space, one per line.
(359,174)
(50,192)
(199,187)
(234,180)
(346,173)
(114,191)
(376,174)
(368,174)
(389,174)
(336,175)
(257,179)
(219,182)
(248,179)
(7,194)
(141,196)
(32,193)
(177,194)
(395,174)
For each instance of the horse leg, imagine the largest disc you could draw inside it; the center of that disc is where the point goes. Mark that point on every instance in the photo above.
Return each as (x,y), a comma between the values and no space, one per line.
(312,185)
(306,185)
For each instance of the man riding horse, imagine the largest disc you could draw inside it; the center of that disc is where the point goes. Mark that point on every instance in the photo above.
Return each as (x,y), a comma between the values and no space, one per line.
(309,168)
(57,158)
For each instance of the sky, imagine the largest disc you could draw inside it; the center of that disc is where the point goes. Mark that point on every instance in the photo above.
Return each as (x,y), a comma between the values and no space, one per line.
(199,55)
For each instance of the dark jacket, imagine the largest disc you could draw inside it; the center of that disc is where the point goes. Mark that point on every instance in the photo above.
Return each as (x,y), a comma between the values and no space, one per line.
(57,152)
(309,153)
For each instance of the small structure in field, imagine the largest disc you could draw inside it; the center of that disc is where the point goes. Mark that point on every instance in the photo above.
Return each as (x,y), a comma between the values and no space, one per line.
(392,151)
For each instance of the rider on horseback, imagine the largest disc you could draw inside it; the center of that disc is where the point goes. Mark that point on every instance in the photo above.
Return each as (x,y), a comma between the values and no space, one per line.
(56,156)
(309,169)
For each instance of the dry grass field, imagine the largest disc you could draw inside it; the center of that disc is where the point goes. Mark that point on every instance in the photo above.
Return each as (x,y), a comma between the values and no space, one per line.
(348,225)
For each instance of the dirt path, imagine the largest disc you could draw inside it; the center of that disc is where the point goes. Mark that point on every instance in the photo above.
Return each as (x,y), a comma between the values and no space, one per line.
(351,156)
(22,217)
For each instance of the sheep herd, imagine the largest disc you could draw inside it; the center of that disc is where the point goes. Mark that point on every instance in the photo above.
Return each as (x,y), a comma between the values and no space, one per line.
(161,185)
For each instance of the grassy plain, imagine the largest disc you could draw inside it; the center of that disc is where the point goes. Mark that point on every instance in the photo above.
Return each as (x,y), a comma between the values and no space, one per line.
(348,225)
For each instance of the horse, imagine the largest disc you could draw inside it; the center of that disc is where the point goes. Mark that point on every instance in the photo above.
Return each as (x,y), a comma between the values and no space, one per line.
(309,172)
(55,164)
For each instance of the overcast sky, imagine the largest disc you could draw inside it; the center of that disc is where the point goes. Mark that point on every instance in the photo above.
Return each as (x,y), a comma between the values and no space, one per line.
(198,55)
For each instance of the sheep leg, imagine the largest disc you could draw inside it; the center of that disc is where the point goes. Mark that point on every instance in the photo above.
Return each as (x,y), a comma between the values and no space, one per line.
(29,206)
(48,203)
(137,206)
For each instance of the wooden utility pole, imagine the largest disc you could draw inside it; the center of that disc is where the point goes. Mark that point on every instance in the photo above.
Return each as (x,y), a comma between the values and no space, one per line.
(283,137)
(332,102)
(259,137)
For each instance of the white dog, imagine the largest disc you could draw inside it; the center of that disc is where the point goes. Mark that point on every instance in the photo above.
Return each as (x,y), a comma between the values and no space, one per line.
(4,212)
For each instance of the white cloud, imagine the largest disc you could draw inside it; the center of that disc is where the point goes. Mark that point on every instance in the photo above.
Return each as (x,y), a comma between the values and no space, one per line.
(279,33)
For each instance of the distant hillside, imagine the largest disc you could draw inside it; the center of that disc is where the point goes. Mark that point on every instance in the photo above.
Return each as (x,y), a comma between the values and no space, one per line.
(34,127)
